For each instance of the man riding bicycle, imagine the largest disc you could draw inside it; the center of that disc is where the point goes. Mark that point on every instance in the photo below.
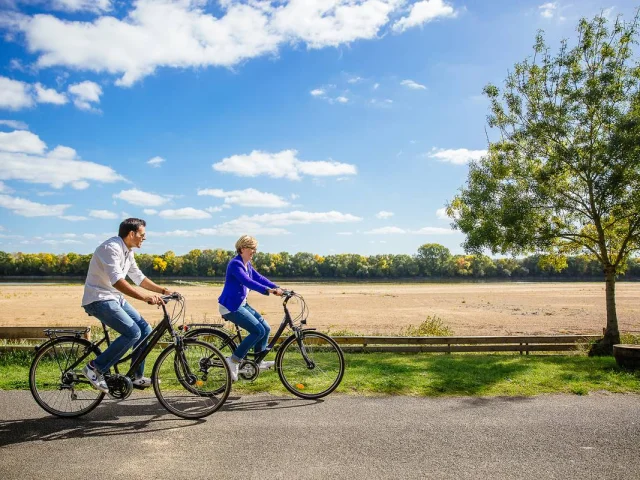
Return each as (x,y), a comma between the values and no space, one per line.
(104,291)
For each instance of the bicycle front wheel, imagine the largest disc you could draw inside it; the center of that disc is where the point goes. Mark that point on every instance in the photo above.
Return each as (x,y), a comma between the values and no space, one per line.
(311,367)
(56,380)
(191,380)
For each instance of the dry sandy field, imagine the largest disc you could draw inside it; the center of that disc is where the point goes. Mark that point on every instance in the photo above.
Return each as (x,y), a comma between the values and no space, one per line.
(467,308)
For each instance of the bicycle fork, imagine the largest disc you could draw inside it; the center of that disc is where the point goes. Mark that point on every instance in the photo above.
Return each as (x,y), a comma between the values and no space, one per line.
(310,363)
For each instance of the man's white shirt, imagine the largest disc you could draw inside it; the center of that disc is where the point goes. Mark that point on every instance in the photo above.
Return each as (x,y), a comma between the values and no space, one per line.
(111,262)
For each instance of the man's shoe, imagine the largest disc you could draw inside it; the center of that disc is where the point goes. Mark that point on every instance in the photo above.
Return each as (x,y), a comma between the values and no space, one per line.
(95,379)
(142,382)
(266,365)
(233,368)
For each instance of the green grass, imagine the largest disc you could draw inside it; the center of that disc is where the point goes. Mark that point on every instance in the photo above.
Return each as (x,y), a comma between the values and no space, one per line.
(432,375)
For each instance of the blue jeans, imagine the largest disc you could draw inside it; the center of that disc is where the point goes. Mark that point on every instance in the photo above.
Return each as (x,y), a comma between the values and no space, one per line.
(259,330)
(125,320)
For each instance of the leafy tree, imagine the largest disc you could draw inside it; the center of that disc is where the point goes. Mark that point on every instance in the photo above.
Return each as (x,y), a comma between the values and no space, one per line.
(564,176)
(434,259)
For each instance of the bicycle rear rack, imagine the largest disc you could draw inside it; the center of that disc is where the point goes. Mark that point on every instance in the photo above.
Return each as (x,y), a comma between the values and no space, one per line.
(55,333)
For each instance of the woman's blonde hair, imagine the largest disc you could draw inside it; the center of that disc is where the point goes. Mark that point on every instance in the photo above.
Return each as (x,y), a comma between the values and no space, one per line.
(246,241)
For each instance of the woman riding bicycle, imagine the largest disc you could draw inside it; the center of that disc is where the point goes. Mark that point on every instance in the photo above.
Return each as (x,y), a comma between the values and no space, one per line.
(233,306)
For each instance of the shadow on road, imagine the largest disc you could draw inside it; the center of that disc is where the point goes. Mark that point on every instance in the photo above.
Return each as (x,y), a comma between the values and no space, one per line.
(110,418)
(133,416)
(234,404)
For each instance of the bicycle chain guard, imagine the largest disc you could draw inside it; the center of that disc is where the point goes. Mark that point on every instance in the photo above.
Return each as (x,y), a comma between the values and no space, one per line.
(248,370)
(120,386)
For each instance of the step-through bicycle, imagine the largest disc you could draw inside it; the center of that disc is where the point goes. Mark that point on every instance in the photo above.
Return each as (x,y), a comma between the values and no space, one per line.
(310,364)
(190,377)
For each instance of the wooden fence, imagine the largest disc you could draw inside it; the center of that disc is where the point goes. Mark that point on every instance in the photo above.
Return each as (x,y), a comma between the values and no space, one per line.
(29,336)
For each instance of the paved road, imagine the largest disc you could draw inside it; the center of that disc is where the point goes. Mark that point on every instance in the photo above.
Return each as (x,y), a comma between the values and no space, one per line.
(564,437)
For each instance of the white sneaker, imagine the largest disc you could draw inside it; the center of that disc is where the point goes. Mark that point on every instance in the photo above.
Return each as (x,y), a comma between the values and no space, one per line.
(266,365)
(142,382)
(233,368)
(96,379)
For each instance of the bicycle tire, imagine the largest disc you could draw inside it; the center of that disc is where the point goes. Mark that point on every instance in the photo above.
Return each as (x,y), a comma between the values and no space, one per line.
(209,389)
(213,336)
(63,383)
(294,372)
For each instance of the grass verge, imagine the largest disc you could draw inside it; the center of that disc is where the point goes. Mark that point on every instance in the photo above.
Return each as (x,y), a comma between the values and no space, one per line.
(430,375)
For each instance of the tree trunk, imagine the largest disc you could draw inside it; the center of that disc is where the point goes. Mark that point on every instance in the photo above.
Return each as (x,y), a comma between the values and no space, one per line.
(611,333)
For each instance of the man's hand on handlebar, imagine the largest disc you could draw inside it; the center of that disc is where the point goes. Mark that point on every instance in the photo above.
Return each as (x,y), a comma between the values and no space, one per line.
(276,291)
(154,300)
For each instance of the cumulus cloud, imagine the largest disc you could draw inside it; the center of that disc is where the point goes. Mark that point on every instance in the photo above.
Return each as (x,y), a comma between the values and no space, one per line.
(49,95)
(85,94)
(73,218)
(413,85)
(156,161)
(342,99)
(73,6)
(424,12)
(547,10)
(150,211)
(103,214)
(386,231)
(24,156)
(15,95)
(460,156)
(284,164)
(187,213)
(383,214)
(27,208)
(317,92)
(181,34)
(249,197)
(15,124)
(140,198)
(298,217)
(441,213)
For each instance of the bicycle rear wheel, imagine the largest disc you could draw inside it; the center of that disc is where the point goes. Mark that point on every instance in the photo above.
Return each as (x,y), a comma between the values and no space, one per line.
(191,380)
(311,368)
(56,380)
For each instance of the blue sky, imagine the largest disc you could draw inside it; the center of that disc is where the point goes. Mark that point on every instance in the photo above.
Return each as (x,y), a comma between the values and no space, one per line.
(326,126)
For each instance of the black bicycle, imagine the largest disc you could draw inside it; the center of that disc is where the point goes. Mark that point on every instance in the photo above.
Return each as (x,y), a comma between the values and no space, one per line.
(310,364)
(190,378)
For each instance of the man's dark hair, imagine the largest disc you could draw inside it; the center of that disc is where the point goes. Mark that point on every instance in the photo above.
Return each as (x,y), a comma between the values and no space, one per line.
(130,225)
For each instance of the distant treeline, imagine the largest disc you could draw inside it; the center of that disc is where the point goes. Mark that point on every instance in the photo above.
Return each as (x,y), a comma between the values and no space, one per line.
(431,260)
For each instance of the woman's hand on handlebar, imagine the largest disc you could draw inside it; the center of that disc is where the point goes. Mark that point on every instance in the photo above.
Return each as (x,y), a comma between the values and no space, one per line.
(276,291)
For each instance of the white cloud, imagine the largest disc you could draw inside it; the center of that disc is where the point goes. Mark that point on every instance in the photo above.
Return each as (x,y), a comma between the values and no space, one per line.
(376,86)
(4,189)
(424,12)
(49,95)
(413,85)
(16,124)
(386,231)
(441,213)
(67,241)
(547,10)
(298,217)
(345,233)
(23,156)
(85,94)
(458,156)
(21,141)
(434,231)
(150,211)
(342,99)
(181,34)
(216,209)
(383,214)
(156,161)
(355,80)
(27,208)
(318,92)
(93,6)
(187,213)
(294,196)
(73,218)
(140,198)
(14,95)
(284,164)
(249,197)
(104,214)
